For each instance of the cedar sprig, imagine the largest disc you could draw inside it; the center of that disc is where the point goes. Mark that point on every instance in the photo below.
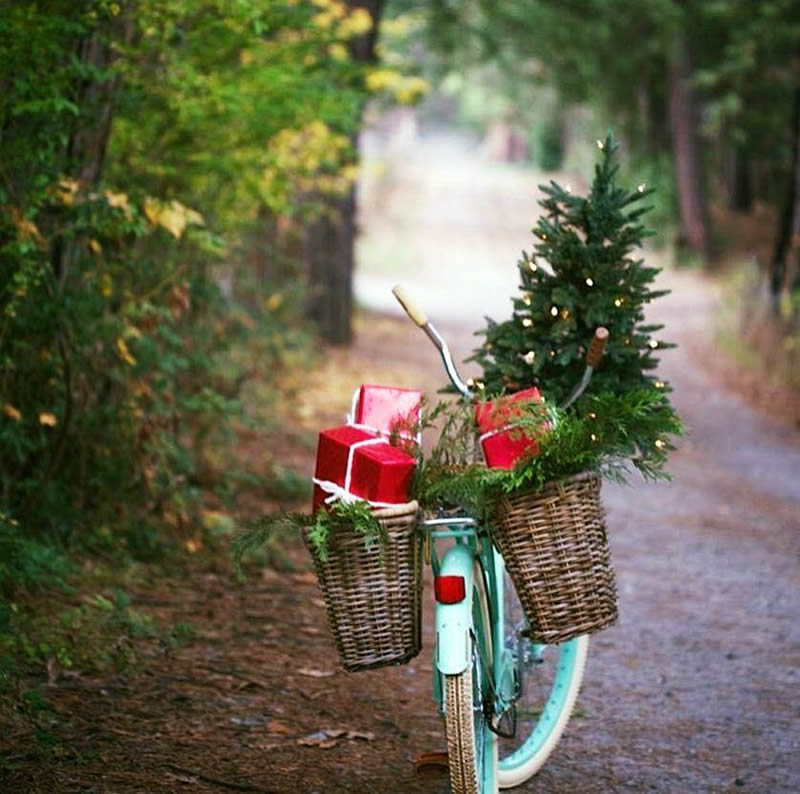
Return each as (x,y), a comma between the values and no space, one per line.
(322,525)
(605,433)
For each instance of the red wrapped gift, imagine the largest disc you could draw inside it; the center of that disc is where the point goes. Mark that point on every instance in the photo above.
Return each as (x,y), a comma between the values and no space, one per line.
(502,441)
(385,409)
(353,463)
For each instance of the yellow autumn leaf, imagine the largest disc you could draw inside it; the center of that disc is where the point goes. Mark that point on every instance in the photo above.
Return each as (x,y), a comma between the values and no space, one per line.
(193,546)
(27,228)
(95,246)
(11,412)
(118,201)
(106,285)
(381,79)
(338,51)
(356,24)
(193,217)
(411,90)
(172,216)
(67,188)
(274,301)
(124,353)
(46,418)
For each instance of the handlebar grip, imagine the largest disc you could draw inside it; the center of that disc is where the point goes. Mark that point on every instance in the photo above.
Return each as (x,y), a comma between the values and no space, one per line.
(412,310)
(597,348)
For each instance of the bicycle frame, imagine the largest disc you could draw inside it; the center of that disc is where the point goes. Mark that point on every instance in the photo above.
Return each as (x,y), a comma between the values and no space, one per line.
(470,626)
(454,622)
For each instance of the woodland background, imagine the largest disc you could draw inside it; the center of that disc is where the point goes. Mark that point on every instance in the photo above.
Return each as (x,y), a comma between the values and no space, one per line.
(178,222)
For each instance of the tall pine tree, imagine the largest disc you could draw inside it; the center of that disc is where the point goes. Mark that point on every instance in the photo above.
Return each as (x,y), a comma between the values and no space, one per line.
(583,274)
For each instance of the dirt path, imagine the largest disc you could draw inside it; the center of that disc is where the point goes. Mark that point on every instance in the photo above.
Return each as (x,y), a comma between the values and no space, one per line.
(693,691)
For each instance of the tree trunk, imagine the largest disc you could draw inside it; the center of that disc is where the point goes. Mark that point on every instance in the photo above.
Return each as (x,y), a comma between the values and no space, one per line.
(329,253)
(739,184)
(88,140)
(784,265)
(330,239)
(686,151)
(87,145)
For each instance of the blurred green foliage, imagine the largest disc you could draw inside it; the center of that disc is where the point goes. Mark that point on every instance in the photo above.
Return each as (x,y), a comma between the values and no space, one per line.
(158,162)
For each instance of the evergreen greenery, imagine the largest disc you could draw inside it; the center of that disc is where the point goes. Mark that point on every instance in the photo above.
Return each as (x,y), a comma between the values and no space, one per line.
(341,516)
(611,433)
(581,275)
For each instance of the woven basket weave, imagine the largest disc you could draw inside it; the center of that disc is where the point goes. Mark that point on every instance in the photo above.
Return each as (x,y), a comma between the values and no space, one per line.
(373,596)
(556,551)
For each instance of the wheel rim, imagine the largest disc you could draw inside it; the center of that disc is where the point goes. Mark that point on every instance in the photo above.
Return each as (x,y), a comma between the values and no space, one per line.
(550,677)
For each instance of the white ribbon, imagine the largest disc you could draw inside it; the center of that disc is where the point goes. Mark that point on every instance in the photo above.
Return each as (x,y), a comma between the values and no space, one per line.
(490,433)
(342,492)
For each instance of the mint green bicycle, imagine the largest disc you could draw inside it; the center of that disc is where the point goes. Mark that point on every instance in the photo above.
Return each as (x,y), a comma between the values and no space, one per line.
(505,699)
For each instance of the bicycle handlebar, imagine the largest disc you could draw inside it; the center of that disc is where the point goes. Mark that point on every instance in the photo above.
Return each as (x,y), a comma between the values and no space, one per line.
(412,310)
(597,348)
(593,356)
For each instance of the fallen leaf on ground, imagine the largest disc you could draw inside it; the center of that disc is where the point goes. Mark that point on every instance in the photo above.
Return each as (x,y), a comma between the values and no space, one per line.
(367,736)
(312,673)
(319,739)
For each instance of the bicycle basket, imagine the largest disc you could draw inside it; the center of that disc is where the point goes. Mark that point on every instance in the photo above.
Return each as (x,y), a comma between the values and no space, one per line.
(373,596)
(556,551)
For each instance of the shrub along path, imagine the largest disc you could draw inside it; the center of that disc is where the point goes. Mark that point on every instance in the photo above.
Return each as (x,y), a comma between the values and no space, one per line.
(693,690)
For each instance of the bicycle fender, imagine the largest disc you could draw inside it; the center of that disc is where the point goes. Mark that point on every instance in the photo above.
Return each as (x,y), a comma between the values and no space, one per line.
(454,621)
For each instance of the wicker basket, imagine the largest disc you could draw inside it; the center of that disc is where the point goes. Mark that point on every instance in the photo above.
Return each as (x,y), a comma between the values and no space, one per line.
(373,596)
(556,551)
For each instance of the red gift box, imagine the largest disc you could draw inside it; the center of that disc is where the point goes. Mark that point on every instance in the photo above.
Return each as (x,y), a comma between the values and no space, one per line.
(352,462)
(502,441)
(385,409)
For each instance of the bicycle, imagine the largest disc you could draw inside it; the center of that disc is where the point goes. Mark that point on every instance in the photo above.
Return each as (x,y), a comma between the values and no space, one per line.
(505,699)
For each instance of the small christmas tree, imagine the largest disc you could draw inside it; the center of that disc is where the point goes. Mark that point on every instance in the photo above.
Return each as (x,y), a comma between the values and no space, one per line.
(582,275)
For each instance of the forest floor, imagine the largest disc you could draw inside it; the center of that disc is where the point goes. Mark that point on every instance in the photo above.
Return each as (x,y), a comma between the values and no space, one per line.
(694,690)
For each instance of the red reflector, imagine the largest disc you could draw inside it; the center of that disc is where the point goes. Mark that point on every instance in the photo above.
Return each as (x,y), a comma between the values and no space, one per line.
(450,589)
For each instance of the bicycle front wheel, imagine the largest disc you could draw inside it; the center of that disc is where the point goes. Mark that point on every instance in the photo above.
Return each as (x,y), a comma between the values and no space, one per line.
(548,678)
(471,746)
